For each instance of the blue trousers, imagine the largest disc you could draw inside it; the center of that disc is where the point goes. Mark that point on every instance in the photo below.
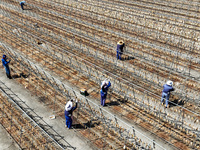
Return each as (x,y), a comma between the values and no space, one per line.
(68,121)
(166,96)
(7,70)
(119,55)
(103,99)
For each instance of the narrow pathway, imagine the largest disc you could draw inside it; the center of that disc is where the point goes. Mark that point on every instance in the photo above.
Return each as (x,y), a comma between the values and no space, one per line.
(6,141)
(33,102)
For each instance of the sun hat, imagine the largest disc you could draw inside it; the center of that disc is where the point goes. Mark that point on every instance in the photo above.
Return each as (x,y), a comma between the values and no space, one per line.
(120,42)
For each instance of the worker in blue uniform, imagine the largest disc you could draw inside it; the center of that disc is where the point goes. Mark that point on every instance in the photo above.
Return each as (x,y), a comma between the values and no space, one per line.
(5,64)
(22,3)
(68,113)
(120,47)
(104,89)
(167,88)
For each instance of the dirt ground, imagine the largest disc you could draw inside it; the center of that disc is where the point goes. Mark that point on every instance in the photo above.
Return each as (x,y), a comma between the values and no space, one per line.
(58,124)
(7,143)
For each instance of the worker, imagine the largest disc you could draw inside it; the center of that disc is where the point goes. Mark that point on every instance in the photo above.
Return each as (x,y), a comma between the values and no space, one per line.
(167,88)
(68,113)
(120,47)
(22,3)
(104,88)
(5,64)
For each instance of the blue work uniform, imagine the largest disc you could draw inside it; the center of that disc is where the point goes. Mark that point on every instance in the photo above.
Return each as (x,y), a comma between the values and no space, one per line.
(5,64)
(22,4)
(166,93)
(119,50)
(68,116)
(103,92)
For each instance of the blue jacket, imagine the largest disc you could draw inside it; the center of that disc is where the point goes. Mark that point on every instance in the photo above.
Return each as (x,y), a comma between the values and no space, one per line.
(69,113)
(4,62)
(104,89)
(167,88)
(120,47)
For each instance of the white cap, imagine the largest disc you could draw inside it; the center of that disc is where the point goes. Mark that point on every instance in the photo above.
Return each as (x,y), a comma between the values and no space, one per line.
(103,83)
(69,106)
(170,83)
(107,80)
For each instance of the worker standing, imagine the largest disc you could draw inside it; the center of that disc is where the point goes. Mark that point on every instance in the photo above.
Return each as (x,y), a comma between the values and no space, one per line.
(104,89)
(68,113)
(120,47)
(167,88)
(22,3)
(5,64)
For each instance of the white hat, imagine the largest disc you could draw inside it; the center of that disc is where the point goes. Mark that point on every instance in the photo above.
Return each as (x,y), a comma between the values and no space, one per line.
(103,83)
(69,106)
(106,81)
(170,83)
(120,42)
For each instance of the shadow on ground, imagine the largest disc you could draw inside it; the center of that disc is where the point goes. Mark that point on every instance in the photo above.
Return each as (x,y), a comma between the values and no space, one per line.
(176,102)
(128,58)
(112,103)
(88,124)
(15,76)
(27,9)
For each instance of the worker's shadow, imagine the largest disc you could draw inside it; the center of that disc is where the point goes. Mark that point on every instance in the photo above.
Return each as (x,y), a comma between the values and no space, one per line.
(27,9)
(112,103)
(21,75)
(16,76)
(128,58)
(88,124)
(176,102)
(78,126)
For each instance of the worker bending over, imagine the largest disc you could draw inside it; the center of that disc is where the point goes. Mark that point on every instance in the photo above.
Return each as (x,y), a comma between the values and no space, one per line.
(104,89)
(22,3)
(5,64)
(68,112)
(167,88)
